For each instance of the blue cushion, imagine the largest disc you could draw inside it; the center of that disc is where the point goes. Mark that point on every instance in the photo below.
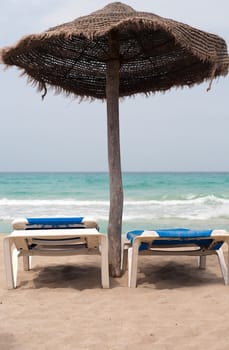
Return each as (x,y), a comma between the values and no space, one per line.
(63,222)
(55,221)
(182,235)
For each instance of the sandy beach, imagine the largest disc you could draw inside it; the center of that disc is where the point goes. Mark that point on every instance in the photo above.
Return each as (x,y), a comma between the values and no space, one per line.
(60,305)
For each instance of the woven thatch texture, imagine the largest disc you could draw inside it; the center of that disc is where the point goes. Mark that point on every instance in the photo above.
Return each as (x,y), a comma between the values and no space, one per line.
(155,53)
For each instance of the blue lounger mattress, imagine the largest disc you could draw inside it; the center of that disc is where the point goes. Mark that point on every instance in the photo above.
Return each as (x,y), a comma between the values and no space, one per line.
(175,237)
(54,223)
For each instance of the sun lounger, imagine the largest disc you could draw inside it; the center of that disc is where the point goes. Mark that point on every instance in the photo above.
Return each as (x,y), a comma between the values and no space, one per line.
(53,237)
(175,242)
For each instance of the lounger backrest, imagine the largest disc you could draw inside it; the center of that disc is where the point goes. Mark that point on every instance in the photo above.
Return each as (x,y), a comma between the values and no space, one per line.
(90,242)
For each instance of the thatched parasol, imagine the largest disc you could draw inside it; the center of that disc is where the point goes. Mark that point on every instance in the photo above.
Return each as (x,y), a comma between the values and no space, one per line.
(112,53)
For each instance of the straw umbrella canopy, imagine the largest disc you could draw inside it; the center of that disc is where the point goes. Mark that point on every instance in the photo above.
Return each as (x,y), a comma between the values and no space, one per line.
(117,52)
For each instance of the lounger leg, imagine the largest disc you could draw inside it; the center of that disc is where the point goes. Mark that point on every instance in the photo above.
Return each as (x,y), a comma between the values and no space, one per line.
(202,261)
(11,263)
(27,262)
(227,262)
(124,260)
(130,253)
(133,265)
(223,265)
(104,263)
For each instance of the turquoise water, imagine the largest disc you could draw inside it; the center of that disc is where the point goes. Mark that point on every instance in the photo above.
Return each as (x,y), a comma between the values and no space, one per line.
(151,200)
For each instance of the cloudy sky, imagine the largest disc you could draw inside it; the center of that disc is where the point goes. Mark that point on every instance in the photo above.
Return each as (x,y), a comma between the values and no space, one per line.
(182,130)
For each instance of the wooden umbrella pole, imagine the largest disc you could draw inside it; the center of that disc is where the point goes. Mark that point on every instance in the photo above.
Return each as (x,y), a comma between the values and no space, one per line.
(116,189)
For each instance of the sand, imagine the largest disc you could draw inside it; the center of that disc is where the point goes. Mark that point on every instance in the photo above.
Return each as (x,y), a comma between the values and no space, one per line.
(60,305)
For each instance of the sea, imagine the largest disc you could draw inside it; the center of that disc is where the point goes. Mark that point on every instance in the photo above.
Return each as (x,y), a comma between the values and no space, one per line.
(151,200)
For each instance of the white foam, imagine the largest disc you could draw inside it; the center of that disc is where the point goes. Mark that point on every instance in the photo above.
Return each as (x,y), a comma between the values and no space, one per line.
(202,208)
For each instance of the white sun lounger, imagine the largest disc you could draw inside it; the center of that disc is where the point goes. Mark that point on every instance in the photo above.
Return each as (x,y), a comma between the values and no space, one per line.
(175,242)
(53,237)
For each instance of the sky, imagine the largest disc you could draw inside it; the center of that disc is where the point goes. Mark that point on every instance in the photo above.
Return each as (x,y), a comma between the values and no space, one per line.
(181,130)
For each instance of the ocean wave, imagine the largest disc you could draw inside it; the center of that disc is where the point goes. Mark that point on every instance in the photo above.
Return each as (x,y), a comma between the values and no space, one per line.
(51,202)
(211,199)
(202,208)
(189,199)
